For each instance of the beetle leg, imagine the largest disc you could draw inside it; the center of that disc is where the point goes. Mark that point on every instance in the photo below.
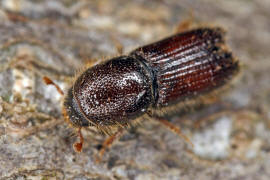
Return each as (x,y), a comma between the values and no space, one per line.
(48,81)
(173,128)
(186,24)
(118,45)
(108,143)
(79,145)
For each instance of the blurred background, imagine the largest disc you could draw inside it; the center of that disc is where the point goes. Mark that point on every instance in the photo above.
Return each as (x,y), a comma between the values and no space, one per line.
(55,38)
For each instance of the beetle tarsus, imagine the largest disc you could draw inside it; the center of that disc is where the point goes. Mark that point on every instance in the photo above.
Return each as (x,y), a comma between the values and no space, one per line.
(48,81)
(79,145)
(108,143)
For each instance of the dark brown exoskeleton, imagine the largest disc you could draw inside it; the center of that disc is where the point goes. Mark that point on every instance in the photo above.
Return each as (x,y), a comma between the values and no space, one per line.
(149,79)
